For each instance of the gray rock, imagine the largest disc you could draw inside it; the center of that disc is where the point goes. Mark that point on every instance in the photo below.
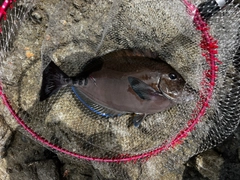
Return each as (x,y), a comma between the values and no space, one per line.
(46,170)
(5,136)
(72,171)
(239,153)
(209,164)
(230,171)
(26,159)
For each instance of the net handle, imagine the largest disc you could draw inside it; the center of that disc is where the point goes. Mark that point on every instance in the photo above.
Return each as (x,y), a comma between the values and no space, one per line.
(209,8)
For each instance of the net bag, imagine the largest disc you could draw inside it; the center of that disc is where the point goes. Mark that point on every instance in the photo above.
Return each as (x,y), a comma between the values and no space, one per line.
(199,39)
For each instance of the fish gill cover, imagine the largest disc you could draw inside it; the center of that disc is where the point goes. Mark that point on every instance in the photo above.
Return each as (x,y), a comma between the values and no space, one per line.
(202,49)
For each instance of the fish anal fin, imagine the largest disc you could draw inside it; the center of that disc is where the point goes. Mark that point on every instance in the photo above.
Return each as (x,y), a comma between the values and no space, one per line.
(94,107)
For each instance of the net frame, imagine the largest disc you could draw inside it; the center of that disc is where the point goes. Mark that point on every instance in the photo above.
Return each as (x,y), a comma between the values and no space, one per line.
(5,5)
(208,46)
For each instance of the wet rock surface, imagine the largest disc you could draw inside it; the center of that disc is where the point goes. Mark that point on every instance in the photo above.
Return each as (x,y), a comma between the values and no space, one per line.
(22,158)
(25,159)
(221,162)
(5,136)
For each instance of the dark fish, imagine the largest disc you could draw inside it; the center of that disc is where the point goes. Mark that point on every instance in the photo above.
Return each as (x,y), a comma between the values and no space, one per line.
(124,81)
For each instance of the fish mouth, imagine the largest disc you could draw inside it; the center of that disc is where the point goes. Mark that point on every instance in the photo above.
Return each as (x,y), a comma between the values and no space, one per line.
(168,96)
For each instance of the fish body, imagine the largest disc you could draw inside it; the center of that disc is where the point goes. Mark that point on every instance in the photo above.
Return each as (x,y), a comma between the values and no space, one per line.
(124,81)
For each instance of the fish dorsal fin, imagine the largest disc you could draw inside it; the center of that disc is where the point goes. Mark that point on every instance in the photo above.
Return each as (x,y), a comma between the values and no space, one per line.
(143,90)
(94,107)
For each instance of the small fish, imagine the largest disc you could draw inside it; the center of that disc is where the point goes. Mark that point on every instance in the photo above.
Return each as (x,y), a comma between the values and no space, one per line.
(120,82)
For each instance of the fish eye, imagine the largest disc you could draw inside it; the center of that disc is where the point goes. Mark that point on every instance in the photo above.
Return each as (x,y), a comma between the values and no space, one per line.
(172,76)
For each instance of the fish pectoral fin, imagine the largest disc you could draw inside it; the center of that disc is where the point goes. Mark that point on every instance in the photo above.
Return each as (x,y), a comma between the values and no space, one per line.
(137,119)
(143,90)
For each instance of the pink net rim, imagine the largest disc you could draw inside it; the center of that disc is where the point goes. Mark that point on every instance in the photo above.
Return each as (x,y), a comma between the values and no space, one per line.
(209,50)
(5,5)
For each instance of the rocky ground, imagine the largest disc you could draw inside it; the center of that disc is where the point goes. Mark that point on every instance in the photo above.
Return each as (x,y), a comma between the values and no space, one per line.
(22,158)
(221,162)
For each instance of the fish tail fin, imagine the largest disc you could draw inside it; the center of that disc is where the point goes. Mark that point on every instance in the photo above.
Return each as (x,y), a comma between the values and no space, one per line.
(52,80)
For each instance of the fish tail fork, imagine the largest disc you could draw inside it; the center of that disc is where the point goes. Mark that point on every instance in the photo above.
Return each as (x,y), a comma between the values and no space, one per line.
(53,79)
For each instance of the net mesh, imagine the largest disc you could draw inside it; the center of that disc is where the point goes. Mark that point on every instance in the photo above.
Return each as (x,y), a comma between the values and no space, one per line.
(72,32)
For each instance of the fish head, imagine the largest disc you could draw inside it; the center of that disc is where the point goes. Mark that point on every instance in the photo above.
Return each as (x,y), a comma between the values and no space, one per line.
(171,84)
